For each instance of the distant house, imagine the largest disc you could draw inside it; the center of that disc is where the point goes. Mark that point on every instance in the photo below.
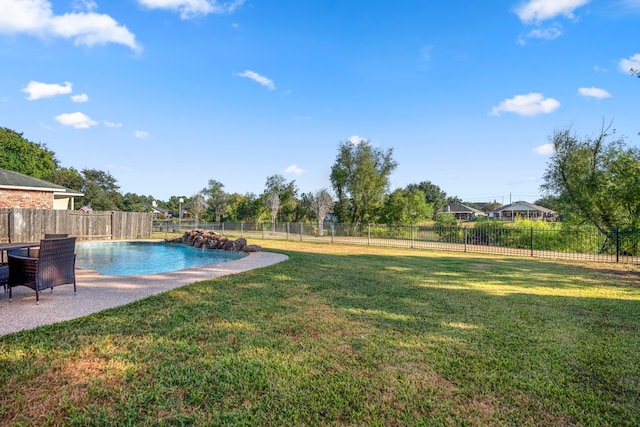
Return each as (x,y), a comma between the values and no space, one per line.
(524,210)
(463,212)
(22,191)
(159,212)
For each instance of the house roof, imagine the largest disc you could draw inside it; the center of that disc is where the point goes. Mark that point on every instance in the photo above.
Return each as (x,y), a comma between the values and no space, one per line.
(522,206)
(17,181)
(459,209)
(158,209)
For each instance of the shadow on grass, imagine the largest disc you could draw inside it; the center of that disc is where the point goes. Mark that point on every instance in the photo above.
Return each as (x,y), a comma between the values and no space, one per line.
(350,338)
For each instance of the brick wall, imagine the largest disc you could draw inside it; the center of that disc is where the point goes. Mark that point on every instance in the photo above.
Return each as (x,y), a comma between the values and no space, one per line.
(26,199)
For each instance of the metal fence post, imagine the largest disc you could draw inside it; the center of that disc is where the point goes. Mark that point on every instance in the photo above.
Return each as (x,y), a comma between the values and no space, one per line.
(332,233)
(301,225)
(465,238)
(617,244)
(288,230)
(263,231)
(531,241)
(368,234)
(241,228)
(412,236)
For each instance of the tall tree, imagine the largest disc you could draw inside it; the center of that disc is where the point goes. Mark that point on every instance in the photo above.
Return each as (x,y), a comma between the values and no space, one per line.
(20,155)
(217,199)
(197,205)
(433,195)
(245,207)
(549,202)
(406,206)
(453,200)
(100,190)
(287,194)
(132,202)
(360,179)
(273,203)
(322,205)
(595,180)
(304,210)
(173,205)
(69,178)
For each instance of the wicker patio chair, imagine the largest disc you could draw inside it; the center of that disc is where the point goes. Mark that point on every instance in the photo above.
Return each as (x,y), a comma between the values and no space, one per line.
(55,235)
(56,265)
(4,276)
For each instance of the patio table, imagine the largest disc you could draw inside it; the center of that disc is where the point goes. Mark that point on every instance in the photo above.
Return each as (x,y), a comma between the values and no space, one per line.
(5,247)
(4,267)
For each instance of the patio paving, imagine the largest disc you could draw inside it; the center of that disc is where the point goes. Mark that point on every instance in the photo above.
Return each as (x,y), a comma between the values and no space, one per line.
(97,293)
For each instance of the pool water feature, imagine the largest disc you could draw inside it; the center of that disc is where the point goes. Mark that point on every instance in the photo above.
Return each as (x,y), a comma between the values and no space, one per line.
(137,258)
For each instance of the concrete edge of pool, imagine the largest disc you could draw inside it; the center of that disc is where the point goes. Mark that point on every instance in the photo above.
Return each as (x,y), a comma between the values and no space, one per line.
(97,293)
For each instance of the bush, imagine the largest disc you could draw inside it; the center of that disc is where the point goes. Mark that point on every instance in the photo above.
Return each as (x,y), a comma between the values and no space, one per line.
(447,229)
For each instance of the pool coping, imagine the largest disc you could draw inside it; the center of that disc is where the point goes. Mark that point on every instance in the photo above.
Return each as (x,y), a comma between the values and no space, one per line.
(96,293)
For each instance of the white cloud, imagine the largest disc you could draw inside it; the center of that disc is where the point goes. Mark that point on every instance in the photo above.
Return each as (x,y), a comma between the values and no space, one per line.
(293,169)
(112,124)
(80,98)
(536,11)
(544,149)
(77,120)
(531,104)
(264,81)
(140,134)
(599,69)
(594,92)
(35,17)
(631,5)
(37,90)
(549,33)
(193,8)
(303,117)
(627,64)
(88,5)
(356,140)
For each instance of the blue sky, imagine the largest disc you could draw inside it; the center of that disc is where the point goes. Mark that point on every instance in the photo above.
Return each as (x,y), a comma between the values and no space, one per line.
(168,94)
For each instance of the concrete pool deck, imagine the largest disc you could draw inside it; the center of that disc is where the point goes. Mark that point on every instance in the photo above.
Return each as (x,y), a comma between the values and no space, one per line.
(96,293)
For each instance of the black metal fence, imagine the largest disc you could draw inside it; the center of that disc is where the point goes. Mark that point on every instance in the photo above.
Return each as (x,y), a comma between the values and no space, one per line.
(496,238)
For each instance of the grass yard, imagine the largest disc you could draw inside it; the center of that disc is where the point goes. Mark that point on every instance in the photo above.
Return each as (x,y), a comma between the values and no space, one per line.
(346,335)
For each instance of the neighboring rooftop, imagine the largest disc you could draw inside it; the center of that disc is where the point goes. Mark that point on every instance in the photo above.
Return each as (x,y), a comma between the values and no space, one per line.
(14,180)
(522,206)
(462,209)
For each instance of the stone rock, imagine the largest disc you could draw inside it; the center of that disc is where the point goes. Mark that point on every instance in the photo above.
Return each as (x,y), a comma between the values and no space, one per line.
(211,240)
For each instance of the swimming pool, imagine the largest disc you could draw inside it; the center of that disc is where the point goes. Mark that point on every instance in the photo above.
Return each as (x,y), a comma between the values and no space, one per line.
(135,258)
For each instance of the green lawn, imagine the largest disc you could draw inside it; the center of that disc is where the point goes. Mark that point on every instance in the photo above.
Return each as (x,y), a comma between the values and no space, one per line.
(346,335)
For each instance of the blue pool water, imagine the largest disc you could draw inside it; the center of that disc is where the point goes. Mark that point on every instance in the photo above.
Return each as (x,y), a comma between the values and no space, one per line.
(134,258)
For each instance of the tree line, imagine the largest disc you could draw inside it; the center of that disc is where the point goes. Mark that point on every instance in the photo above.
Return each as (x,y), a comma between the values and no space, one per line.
(592,180)
(359,178)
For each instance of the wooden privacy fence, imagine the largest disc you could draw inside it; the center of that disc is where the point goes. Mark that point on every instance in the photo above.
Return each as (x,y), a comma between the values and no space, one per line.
(30,225)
